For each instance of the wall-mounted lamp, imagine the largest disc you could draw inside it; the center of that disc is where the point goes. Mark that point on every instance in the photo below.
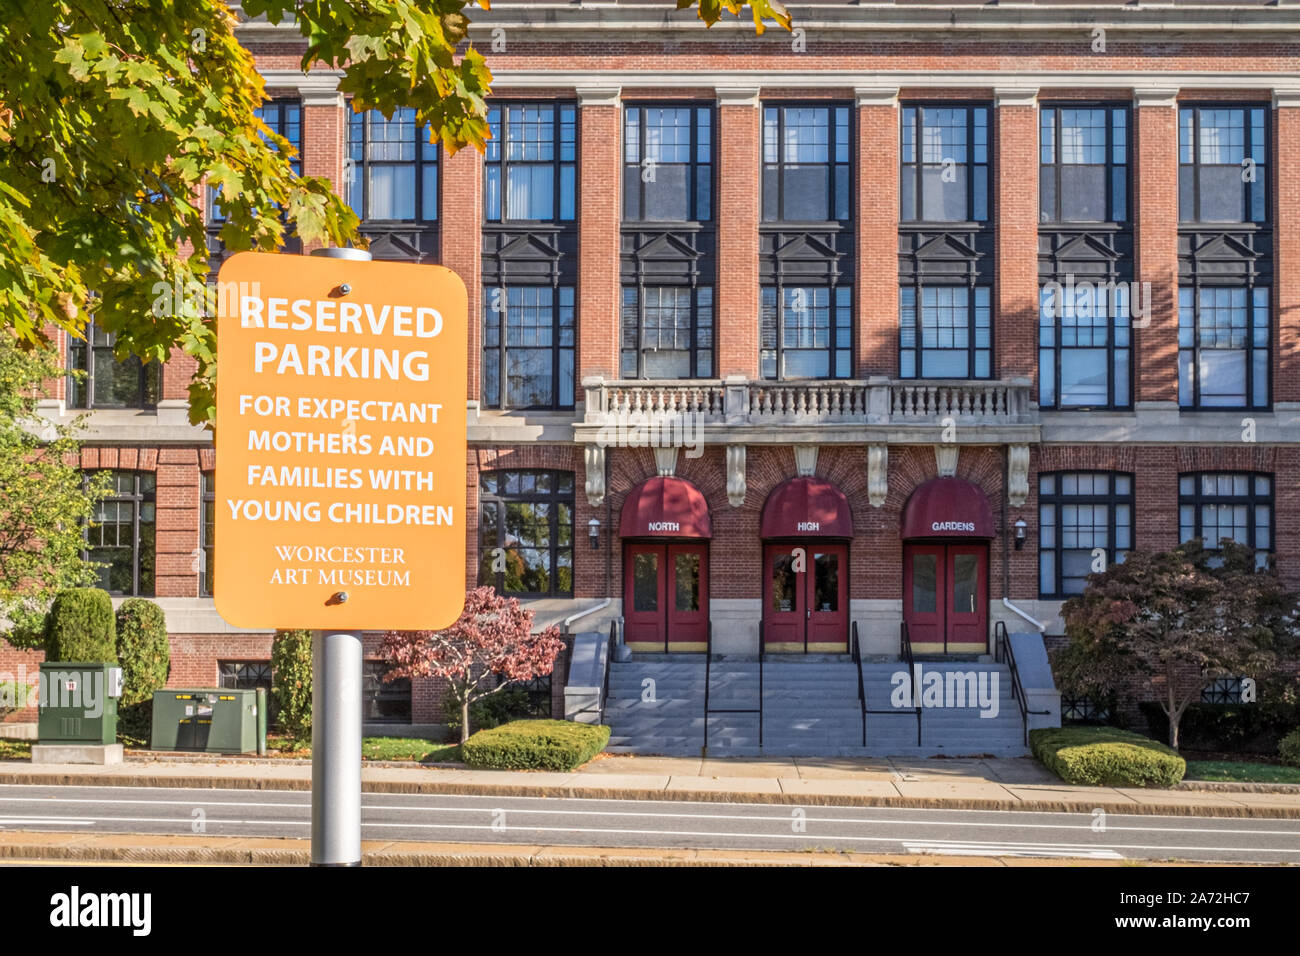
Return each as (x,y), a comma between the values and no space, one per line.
(593,529)
(1021,528)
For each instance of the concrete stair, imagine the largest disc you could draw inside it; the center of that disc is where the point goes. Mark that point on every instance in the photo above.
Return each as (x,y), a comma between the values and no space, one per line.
(810,708)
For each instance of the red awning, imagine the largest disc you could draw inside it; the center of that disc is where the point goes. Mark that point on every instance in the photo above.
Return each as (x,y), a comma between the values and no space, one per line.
(806,507)
(947,508)
(665,508)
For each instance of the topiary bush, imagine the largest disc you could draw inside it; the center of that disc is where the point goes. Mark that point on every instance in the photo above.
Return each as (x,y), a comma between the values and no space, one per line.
(1106,756)
(535,745)
(1288,748)
(291,681)
(145,653)
(80,627)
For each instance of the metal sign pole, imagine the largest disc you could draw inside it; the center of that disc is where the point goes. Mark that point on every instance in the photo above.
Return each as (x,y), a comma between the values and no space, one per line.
(336,749)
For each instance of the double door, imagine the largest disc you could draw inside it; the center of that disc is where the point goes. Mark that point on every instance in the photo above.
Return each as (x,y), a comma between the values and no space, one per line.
(945,597)
(666,597)
(806,597)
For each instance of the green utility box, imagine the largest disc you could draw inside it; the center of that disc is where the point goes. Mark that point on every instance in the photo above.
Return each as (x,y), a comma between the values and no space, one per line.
(77,703)
(209,720)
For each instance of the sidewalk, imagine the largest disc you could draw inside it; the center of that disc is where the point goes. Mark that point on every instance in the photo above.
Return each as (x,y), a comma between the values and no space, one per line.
(951,784)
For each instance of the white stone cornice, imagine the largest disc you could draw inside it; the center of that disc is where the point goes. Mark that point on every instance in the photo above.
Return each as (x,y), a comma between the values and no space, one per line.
(598,95)
(318,82)
(1155,96)
(1286,97)
(737,95)
(1015,96)
(876,95)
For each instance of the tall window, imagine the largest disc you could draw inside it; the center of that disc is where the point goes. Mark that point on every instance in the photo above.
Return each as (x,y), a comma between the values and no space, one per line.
(1083,164)
(1084,347)
(284,118)
(207,534)
(1222,157)
(109,382)
(806,163)
(526,532)
(1223,347)
(530,162)
(392,168)
(528,343)
(384,702)
(667,332)
(121,535)
(806,332)
(945,164)
(1237,505)
(1085,524)
(668,163)
(950,335)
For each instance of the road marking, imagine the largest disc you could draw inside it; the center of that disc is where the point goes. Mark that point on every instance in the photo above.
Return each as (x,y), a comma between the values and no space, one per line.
(45,821)
(939,847)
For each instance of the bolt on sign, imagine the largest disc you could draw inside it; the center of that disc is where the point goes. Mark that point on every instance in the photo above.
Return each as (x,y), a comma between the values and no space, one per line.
(340,434)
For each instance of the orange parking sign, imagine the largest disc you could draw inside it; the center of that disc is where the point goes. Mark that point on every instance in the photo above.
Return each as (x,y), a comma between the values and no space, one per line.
(340,433)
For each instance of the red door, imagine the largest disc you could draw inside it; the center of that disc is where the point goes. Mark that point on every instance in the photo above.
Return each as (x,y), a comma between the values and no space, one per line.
(945,597)
(666,597)
(805,596)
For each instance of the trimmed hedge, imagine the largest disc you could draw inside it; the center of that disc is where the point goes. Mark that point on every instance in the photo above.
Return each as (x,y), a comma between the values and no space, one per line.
(81,628)
(1106,757)
(535,745)
(1289,748)
(1226,728)
(291,678)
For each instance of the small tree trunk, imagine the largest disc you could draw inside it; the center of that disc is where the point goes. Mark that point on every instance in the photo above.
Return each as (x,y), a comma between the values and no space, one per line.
(464,718)
(1173,730)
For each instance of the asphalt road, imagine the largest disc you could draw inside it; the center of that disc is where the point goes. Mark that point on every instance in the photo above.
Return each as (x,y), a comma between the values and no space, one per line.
(560,821)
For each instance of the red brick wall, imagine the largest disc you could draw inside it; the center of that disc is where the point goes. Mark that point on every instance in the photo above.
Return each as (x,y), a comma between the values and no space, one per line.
(600,151)
(737,208)
(1155,236)
(1015,230)
(1286,234)
(876,234)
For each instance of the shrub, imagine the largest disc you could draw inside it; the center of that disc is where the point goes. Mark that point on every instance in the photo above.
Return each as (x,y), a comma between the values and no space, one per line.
(1289,748)
(291,681)
(1227,728)
(535,745)
(80,628)
(143,649)
(15,696)
(500,708)
(1106,756)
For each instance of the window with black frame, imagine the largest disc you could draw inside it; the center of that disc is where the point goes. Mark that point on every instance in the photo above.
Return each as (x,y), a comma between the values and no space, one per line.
(945,163)
(121,535)
(530,163)
(1237,505)
(1223,347)
(667,297)
(1085,524)
(384,702)
(1222,164)
(1084,346)
(284,118)
(99,379)
(208,533)
(1083,164)
(528,347)
(526,532)
(392,168)
(945,331)
(806,332)
(806,164)
(1223,690)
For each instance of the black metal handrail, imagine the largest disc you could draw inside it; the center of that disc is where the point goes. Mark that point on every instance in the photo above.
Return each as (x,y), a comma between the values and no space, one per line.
(905,647)
(862,694)
(1004,654)
(708,681)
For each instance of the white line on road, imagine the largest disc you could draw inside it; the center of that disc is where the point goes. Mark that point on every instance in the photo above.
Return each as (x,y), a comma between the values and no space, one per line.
(1000,849)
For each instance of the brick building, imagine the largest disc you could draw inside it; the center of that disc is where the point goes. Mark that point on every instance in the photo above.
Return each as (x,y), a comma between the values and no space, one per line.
(911,317)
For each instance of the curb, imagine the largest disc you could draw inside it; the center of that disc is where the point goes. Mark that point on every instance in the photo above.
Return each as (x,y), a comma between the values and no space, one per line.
(690,796)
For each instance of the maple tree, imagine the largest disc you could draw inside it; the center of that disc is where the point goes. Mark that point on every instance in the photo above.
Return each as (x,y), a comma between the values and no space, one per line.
(490,646)
(115,114)
(1177,620)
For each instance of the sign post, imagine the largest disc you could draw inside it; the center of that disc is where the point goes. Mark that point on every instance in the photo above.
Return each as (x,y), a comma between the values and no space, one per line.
(340,478)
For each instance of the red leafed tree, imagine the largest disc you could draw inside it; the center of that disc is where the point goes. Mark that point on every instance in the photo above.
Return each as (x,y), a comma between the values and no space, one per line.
(489,647)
